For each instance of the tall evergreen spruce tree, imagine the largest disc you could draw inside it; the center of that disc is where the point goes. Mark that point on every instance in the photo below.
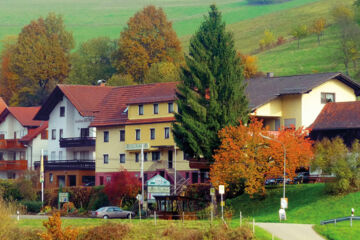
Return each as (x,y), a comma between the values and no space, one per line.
(212,93)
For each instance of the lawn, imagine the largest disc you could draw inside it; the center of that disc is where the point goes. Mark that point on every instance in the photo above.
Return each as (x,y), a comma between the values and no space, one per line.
(340,231)
(93,18)
(146,227)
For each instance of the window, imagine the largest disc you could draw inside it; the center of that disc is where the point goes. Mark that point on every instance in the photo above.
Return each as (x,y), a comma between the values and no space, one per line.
(277,124)
(53,134)
(145,156)
(290,122)
(84,132)
(167,133)
(44,135)
(101,180)
(51,177)
(53,153)
(75,155)
(122,158)
(2,136)
(141,109)
(14,135)
(106,136)
(22,155)
(145,177)
(155,156)
(61,132)
(327,97)
(62,111)
(1,156)
(187,175)
(84,155)
(60,155)
(171,107)
(152,133)
(106,158)
(137,134)
(108,179)
(156,108)
(122,135)
(136,157)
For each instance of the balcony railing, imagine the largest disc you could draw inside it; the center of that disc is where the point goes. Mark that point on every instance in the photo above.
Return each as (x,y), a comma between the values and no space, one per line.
(77,142)
(67,165)
(14,165)
(11,144)
(199,163)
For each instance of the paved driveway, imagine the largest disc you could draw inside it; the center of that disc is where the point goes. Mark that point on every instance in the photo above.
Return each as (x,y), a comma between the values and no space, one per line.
(291,231)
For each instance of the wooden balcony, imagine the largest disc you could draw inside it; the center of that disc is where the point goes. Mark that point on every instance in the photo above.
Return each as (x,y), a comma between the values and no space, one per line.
(11,144)
(77,142)
(67,165)
(14,165)
(199,163)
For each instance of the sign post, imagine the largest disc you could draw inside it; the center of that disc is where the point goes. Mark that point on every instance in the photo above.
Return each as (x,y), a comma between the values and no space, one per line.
(42,176)
(212,194)
(221,192)
(138,197)
(63,197)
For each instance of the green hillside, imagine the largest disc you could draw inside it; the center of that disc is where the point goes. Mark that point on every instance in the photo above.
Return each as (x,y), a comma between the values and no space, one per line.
(92,18)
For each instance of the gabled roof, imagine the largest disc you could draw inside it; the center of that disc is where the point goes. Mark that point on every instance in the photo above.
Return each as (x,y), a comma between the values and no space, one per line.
(114,105)
(338,115)
(3,105)
(24,115)
(86,99)
(264,89)
(33,133)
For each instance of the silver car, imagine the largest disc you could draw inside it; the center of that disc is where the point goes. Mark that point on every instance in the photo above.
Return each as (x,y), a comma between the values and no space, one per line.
(112,212)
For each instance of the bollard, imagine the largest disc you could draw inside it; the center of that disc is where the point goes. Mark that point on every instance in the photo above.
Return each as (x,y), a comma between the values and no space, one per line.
(130,216)
(18,215)
(254,225)
(155,217)
(183,217)
(240,219)
(350,221)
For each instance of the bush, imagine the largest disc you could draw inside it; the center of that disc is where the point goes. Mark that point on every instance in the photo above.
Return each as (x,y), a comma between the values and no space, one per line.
(32,206)
(9,191)
(177,233)
(80,196)
(281,40)
(98,198)
(223,233)
(109,231)
(68,207)
(54,230)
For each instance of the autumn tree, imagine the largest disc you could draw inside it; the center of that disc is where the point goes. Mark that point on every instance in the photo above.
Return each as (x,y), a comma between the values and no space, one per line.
(54,229)
(212,93)
(318,27)
(40,59)
(123,186)
(148,38)
(163,72)
(120,80)
(267,40)
(299,32)
(249,65)
(332,157)
(245,154)
(92,61)
(8,80)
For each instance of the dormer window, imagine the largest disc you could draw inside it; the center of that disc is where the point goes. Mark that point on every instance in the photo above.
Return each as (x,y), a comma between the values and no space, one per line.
(141,109)
(327,97)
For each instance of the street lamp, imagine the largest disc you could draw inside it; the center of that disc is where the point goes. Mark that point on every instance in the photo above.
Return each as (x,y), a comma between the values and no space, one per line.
(282,144)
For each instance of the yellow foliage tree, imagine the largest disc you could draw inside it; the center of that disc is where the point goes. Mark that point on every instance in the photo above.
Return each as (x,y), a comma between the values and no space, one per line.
(318,27)
(55,232)
(268,39)
(249,64)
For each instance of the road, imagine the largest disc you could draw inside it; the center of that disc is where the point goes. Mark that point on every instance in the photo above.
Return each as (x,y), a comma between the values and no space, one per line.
(291,231)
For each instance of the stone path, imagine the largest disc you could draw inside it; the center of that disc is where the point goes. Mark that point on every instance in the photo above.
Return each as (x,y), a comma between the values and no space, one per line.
(291,231)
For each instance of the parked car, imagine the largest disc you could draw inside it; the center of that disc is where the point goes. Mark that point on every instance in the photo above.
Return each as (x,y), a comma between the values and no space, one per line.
(270,181)
(112,212)
(281,180)
(302,177)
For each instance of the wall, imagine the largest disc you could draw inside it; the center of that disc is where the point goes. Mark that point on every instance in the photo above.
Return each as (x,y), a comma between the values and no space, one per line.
(270,109)
(78,173)
(133,111)
(291,109)
(37,144)
(312,105)
(11,125)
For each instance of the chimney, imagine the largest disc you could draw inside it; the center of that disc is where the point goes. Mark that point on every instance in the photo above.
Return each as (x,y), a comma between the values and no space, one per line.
(269,74)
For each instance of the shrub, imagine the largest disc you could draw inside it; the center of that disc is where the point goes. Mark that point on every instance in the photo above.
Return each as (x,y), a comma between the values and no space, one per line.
(80,196)
(9,191)
(98,199)
(281,40)
(177,233)
(32,206)
(224,233)
(109,231)
(54,230)
(68,207)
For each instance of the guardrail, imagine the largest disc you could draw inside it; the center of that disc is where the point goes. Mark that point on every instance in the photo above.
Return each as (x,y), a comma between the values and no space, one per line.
(336,220)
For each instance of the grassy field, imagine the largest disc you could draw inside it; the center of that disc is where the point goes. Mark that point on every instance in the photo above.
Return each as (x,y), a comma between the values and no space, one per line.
(92,18)
(147,227)
(340,231)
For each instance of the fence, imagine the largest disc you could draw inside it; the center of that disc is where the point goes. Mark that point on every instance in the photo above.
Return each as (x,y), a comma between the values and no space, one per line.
(336,220)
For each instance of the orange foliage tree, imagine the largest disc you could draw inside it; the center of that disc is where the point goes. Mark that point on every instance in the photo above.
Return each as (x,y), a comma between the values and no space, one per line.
(148,38)
(245,154)
(55,232)
(249,64)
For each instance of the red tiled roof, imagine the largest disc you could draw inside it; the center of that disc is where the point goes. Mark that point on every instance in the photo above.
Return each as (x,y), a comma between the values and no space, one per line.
(338,115)
(3,105)
(24,115)
(33,133)
(86,99)
(114,105)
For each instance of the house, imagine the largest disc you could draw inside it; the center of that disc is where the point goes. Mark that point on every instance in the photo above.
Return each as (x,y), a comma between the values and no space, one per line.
(297,100)
(21,140)
(135,117)
(338,119)
(69,111)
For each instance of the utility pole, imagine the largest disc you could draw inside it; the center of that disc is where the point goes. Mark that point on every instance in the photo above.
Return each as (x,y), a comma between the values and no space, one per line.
(142,176)
(175,169)
(42,176)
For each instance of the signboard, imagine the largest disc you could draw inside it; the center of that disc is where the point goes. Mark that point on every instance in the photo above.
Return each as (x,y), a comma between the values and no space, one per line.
(222,203)
(221,189)
(136,146)
(63,197)
(283,203)
(282,214)
(157,186)
(212,191)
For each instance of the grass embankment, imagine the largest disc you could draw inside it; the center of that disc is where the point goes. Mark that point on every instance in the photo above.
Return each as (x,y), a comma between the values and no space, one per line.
(92,18)
(340,231)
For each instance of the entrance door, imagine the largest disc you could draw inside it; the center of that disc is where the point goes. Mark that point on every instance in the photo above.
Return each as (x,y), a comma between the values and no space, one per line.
(195,177)
(61,181)
(170,159)
(72,180)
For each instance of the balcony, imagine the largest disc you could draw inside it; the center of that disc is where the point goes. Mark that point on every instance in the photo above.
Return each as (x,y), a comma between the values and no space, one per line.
(199,163)
(11,144)
(67,165)
(77,142)
(14,165)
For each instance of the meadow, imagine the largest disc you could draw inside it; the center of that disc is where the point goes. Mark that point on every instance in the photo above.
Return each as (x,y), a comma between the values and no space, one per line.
(93,18)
